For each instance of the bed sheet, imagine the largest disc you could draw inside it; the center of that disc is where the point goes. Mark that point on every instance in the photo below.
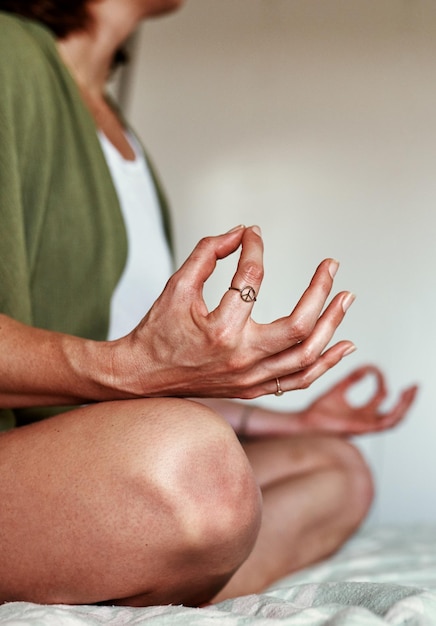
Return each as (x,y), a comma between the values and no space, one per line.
(382,576)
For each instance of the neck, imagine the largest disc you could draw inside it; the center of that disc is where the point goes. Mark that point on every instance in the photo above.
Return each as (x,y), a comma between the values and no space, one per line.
(89,54)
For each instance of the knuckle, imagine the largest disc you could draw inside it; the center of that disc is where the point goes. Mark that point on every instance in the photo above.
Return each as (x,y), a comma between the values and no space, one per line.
(308,356)
(205,242)
(306,379)
(226,345)
(299,330)
(250,394)
(179,285)
(252,272)
(202,248)
(237,361)
(222,338)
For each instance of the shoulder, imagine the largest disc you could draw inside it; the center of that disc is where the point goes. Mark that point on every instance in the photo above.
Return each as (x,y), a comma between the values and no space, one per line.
(23,51)
(16,39)
(30,75)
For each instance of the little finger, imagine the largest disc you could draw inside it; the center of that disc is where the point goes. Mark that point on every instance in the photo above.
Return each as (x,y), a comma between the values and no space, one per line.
(303,378)
(283,380)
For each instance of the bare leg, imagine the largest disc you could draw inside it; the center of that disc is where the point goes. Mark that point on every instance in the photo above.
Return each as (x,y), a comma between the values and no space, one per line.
(316,491)
(140,502)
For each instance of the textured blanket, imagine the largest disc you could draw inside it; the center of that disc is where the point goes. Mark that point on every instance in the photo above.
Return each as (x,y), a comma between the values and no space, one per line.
(382,576)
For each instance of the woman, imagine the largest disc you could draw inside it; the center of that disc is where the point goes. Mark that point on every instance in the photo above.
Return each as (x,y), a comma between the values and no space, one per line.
(141,496)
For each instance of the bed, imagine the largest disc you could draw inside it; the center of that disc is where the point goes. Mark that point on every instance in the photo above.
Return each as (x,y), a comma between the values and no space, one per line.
(383,575)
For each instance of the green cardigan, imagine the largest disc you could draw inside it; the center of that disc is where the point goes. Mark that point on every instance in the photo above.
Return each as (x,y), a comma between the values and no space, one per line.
(62,238)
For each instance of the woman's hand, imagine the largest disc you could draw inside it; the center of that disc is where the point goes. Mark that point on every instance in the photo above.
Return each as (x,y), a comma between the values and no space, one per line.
(182,349)
(333,413)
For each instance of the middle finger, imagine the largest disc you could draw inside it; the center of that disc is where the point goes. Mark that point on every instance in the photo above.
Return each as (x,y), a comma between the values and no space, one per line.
(238,300)
(305,353)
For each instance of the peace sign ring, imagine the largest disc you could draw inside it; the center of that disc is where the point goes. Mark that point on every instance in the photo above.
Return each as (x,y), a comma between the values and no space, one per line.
(247,293)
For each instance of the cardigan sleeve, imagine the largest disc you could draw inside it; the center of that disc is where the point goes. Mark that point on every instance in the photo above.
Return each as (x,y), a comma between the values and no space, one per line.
(62,238)
(15,298)
(14,278)
(14,281)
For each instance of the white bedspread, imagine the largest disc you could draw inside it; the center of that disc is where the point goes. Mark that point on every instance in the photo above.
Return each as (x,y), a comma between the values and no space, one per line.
(382,576)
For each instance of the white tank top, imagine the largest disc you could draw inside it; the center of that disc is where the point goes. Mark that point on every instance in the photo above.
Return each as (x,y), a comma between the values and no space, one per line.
(149,263)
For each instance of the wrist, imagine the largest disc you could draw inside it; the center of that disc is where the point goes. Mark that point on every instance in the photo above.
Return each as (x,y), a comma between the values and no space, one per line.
(243,423)
(99,370)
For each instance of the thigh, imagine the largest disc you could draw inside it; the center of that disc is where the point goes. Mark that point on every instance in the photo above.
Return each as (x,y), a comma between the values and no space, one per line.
(109,501)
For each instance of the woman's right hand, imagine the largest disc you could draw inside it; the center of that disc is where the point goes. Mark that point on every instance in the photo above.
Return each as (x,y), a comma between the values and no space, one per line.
(182,349)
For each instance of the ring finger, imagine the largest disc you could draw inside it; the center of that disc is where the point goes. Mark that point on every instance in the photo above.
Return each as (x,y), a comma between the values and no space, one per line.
(302,378)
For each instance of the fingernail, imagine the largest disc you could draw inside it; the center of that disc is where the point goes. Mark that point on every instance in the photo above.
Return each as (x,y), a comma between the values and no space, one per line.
(349,350)
(256,229)
(347,301)
(333,267)
(236,228)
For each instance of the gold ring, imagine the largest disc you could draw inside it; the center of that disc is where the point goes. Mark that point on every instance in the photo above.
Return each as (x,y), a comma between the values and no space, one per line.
(279,391)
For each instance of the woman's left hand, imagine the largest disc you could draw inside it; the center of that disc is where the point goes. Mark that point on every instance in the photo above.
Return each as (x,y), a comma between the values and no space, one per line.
(332,412)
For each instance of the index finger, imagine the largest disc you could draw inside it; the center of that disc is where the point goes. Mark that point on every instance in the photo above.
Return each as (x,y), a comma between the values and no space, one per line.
(360,373)
(200,264)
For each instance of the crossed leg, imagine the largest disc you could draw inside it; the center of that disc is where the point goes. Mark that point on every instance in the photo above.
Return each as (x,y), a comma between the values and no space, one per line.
(155,501)
(316,492)
(139,502)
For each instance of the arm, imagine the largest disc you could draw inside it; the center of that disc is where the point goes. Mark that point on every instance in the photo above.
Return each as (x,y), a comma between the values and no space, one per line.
(330,413)
(180,348)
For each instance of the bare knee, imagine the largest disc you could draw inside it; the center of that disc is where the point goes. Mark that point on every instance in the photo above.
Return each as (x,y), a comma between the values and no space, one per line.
(206,498)
(158,494)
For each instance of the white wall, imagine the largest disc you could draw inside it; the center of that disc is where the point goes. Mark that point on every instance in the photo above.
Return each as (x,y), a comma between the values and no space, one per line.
(315,119)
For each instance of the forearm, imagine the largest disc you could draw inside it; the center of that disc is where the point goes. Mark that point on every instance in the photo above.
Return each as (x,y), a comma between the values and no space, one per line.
(41,368)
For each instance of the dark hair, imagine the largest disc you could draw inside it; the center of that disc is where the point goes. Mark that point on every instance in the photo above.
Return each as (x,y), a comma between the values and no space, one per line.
(62,17)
